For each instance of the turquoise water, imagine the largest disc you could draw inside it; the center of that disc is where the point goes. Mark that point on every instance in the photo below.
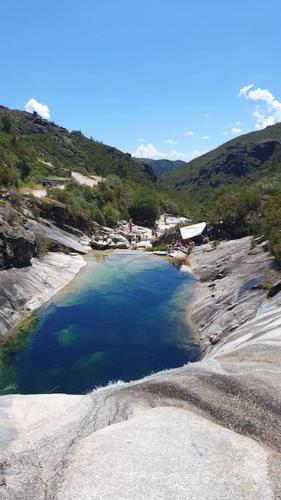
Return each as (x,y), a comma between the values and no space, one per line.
(122,318)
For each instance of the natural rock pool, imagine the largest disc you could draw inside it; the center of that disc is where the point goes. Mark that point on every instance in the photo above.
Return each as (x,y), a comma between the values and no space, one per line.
(123,317)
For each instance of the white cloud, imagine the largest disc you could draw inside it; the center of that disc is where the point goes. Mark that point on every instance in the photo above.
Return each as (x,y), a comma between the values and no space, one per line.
(206,137)
(42,109)
(189,132)
(140,139)
(150,151)
(244,91)
(197,153)
(234,130)
(171,142)
(263,120)
(271,113)
(176,155)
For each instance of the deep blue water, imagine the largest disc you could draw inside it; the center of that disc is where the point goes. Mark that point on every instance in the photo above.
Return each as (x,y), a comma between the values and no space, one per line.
(123,317)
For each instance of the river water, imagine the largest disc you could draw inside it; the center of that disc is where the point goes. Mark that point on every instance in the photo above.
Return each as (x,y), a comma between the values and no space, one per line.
(123,317)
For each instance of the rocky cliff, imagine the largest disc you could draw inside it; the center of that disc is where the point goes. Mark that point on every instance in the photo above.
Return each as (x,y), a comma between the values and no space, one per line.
(207,430)
(20,233)
(17,243)
(29,277)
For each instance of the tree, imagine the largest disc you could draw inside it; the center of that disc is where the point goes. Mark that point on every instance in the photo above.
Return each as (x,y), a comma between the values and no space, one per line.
(6,124)
(145,209)
(24,168)
(111,214)
(7,177)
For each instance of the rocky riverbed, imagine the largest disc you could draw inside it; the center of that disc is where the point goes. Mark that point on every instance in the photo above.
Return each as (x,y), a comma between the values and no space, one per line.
(207,430)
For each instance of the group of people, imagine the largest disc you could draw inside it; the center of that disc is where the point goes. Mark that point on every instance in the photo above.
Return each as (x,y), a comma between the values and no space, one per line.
(187,244)
(154,233)
(102,237)
(178,245)
(134,238)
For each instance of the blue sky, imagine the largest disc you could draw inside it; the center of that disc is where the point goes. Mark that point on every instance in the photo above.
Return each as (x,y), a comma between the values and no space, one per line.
(158,77)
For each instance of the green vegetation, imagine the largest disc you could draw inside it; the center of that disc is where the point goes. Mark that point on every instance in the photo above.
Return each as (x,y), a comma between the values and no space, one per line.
(265,285)
(249,211)
(215,244)
(145,207)
(245,160)
(6,124)
(158,247)
(113,200)
(39,148)
(43,245)
(238,183)
(33,149)
(20,336)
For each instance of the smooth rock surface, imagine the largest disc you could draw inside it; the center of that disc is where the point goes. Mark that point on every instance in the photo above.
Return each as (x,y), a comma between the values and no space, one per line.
(48,230)
(231,289)
(166,453)
(208,430)
(23,290)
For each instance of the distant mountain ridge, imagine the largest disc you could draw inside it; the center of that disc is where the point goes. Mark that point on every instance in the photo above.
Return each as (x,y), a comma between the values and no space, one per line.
(161,167)
(243,160)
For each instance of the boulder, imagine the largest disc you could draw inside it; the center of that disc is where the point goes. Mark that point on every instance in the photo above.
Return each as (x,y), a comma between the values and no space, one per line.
(17,244)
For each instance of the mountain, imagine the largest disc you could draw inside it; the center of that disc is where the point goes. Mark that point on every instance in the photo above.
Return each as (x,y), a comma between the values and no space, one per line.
(161,167)
(33,149)
(47,148)
(244,160)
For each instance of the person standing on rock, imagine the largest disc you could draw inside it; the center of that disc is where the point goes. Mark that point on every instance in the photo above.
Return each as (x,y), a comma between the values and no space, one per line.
(130,225)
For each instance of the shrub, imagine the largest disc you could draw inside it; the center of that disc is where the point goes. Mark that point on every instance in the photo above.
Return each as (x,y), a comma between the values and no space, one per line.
(15,200)
(158,247)
(215,244)
(43,245)
(24,168)
(6,124)
(13,217)
(111,215)
(8,176)
(145,209)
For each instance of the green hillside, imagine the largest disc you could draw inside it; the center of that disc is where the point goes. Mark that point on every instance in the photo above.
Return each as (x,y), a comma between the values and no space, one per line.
(31,147)
(244,160)
(237,187)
